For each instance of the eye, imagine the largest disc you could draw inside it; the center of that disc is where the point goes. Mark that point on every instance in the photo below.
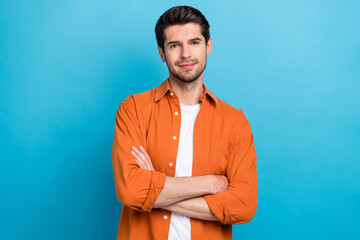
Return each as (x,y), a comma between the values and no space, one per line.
(195,42)
(174,45)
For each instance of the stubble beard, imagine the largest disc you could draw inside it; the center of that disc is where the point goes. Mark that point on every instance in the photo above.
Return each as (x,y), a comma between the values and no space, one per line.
(184,77)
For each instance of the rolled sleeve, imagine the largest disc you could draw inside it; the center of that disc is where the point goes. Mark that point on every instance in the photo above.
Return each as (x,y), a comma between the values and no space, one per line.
(135,187)
(238,203)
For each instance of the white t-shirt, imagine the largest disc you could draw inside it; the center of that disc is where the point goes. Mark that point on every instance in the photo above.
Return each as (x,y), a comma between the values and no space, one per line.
(180,228)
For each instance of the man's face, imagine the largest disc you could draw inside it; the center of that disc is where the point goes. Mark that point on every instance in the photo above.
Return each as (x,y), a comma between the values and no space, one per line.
(185,51)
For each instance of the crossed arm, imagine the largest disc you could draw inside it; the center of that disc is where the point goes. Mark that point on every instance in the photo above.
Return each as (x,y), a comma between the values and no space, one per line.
(232,199)
(184,195)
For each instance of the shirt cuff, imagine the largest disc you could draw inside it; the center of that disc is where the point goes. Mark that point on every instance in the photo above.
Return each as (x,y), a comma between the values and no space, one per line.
(157,183)
(217,208)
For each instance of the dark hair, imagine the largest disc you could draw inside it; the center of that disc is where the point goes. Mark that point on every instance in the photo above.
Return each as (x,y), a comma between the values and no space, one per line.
(180,15)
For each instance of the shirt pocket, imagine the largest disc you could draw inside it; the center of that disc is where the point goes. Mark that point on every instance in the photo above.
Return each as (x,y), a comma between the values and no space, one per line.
(218,157)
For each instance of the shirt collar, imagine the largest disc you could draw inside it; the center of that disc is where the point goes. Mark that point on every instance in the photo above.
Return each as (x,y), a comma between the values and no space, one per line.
(164,87)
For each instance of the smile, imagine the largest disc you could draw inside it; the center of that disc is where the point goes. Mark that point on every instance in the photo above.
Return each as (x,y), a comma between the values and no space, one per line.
(186,65)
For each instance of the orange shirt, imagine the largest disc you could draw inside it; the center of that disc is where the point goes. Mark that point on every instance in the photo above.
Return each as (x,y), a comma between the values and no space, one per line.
(223,144)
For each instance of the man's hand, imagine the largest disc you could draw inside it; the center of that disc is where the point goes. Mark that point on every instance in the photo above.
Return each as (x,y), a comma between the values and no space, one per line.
(180,188)
(142,158)
(217,183)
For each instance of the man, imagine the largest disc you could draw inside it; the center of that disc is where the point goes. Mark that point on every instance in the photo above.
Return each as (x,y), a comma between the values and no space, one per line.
(184,161)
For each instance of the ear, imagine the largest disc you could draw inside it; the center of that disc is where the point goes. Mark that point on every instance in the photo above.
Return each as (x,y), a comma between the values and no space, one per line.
(162,54)
(208,47)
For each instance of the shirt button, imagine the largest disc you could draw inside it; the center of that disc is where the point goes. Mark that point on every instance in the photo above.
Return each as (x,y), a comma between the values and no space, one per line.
(171,94)
(170,164)
(174,137)
(176,113)
(165,217)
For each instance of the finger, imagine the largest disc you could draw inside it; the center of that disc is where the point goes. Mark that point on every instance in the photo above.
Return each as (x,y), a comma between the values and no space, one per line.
(140,164)
(144,152)
(139,153)
(146,160)
(147,157)
(139,160)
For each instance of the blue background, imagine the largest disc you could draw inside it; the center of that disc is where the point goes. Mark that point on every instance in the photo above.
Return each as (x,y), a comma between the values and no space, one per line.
(65,66)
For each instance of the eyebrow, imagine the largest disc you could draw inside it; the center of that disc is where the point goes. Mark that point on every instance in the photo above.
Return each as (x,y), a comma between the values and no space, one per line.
(193,39)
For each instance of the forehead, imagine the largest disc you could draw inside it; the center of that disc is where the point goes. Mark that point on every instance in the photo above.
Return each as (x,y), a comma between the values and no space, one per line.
(183,32)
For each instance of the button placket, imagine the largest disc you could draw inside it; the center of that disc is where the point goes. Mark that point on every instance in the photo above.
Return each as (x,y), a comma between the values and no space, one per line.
(175,131)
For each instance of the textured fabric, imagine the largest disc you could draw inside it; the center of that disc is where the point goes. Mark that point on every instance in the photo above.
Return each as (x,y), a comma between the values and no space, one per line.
(180,227)
(223,144)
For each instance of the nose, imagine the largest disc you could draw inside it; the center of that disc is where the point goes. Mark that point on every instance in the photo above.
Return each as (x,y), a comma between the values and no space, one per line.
(186,52)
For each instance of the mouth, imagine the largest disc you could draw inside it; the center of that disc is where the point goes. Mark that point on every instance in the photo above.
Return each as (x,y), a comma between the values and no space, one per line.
(186,65)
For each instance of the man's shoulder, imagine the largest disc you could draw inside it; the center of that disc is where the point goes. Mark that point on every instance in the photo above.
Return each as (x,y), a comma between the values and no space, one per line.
(235,126)
(139,100)
(230,112)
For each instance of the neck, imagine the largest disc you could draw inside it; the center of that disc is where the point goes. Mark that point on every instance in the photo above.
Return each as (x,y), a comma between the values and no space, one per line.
(188,93)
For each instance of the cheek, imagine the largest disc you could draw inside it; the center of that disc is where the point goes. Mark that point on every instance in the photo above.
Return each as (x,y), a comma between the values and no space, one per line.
(202,57)
(170,59)
(201,53)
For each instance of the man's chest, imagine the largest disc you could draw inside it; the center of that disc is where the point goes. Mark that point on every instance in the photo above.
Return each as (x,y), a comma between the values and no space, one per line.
(210,147)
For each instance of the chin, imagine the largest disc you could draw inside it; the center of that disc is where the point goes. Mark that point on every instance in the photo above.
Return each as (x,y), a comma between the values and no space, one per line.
(187,80)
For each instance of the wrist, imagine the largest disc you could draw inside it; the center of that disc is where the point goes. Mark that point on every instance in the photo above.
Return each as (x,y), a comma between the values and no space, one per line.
(207,184)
